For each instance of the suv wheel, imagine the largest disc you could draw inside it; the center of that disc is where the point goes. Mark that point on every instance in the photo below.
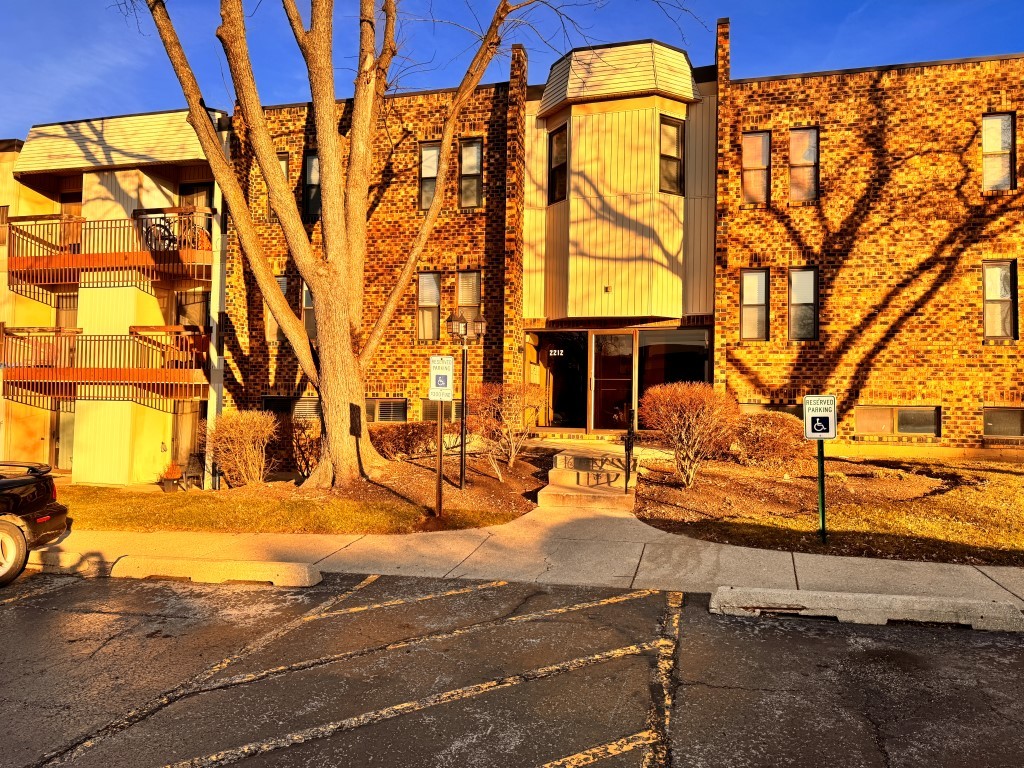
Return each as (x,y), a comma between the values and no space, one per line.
(13,552)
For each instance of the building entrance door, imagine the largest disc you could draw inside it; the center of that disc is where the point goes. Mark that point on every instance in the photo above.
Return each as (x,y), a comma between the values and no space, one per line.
(63,440)
(613,380)
(561,370)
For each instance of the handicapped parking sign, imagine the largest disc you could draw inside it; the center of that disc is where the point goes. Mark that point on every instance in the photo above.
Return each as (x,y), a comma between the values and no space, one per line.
(442,375)
(820,417)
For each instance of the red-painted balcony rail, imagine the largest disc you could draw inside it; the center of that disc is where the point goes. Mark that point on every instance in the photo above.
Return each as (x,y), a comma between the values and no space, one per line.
(168,362)
(169,244)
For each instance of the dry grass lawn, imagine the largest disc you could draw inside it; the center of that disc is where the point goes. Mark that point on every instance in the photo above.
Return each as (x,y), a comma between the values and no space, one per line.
(397,502)
(958,512)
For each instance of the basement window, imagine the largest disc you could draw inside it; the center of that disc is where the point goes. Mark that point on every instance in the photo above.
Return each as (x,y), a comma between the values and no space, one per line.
(393,409)
(1004,422)
(887,420)
(429,409)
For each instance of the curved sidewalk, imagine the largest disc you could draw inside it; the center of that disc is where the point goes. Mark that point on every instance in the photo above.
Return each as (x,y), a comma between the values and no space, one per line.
(607,548)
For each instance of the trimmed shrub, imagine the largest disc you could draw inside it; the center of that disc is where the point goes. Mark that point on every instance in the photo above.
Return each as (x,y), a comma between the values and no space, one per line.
(402,439)
(698,423)
(770,439)
(239,444)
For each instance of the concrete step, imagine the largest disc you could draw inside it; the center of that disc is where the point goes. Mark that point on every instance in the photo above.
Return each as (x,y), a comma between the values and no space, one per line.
(571,478)
(592,461)
(584,497)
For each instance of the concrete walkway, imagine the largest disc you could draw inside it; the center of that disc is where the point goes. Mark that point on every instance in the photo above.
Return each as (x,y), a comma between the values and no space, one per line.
(595,547)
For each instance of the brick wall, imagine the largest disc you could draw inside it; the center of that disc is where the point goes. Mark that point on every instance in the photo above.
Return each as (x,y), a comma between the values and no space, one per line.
(899,234)
(487,238)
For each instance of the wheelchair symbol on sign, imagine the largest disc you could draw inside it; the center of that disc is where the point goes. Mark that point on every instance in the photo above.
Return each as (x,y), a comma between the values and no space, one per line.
(819,423)
(441,381)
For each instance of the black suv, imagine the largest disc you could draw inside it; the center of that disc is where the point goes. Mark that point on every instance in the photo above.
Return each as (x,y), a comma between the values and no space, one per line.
(30,516)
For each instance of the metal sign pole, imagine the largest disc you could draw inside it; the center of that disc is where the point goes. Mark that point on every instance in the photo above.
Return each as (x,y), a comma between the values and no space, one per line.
(462,426)
(440,460)
(821,489)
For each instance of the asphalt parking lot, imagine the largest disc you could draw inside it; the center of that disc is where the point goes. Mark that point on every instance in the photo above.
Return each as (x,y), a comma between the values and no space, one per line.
(417,672)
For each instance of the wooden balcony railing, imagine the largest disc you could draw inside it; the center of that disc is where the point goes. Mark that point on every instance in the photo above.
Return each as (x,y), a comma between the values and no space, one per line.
(156,245)
(151,365)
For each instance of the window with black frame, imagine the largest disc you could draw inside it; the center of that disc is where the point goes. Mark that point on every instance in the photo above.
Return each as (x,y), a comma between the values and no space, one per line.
(754,304)
(1000,285)
(471,173)
(558,165)
(311,186)
(430,154)
(671,160)
(803,303)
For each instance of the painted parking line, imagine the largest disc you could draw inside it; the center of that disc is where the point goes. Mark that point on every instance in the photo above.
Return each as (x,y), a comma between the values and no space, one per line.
(334,658)
(604,751)
(408,600)
(72,751)
(659,718)
(236,754)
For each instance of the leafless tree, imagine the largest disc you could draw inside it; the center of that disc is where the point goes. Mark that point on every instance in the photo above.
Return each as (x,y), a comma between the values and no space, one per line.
(334,273)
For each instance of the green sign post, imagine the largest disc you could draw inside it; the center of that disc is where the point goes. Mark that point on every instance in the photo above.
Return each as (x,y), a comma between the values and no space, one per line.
(820,425)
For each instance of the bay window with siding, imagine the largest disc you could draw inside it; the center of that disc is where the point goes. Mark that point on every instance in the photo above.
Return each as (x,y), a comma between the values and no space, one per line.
(1000,285)
(756,166)
(803,303)
(428,315)
(671,162)
(803,165)
(471,173)
(998,152)
(754,304)
(429,155)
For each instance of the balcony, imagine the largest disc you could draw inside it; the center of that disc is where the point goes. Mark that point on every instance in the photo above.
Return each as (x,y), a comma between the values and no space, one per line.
(157,247)
(151,365)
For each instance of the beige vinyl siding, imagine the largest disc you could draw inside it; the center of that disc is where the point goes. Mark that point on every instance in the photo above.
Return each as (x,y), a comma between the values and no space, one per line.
(625,238)
(699,241)
(556,261)
(534,214)
(109,143)
(619,70)
(108,195)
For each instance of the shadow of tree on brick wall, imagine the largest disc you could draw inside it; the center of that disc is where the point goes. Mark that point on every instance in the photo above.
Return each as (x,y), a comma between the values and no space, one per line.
(974,219)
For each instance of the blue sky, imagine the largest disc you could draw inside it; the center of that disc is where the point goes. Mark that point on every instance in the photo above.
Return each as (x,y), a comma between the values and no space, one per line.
(72,59)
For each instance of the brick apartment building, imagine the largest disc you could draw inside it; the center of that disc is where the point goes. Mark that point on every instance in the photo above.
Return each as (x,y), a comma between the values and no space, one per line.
(870,228)
(632,220)
(643,221)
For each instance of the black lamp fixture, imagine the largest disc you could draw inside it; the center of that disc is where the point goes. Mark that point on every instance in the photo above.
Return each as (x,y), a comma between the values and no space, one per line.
(465,330)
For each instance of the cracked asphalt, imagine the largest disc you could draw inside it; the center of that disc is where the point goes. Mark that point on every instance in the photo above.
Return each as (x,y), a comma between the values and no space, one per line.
(413,672)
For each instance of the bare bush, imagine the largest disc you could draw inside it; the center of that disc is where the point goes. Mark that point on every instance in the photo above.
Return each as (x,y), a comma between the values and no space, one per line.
(239,441)
(698,422)
(770,439)
(307,444)
(504,416)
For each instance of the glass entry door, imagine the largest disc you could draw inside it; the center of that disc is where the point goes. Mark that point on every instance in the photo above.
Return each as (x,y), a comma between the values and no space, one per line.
(612,380)
(561,370)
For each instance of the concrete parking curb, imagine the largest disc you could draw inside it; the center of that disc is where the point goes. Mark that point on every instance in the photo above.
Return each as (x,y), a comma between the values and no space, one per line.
(858,608)
(217,571)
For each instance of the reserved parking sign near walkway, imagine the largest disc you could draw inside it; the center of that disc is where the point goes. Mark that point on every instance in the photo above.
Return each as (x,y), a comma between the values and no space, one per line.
(820,417)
